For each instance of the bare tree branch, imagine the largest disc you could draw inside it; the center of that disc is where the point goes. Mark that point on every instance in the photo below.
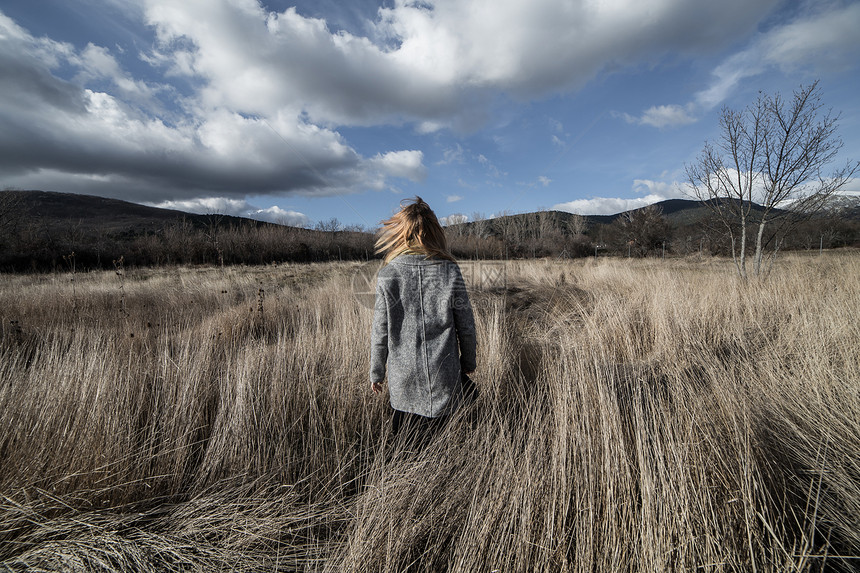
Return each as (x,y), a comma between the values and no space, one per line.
(769,164)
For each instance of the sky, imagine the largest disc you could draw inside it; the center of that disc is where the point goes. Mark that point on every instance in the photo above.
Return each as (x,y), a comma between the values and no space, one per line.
(302,111)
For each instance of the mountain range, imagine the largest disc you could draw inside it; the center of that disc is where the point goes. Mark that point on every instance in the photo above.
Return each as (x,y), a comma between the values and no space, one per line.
(115,216)
(108,216)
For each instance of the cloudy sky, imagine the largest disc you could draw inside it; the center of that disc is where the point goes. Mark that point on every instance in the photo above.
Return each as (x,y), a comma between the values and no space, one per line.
(300,111)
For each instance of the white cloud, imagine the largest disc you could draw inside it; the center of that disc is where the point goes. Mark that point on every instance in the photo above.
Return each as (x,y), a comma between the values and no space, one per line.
(662,189)
(852,188)
(759,192)
(208,206)
(434,62)
(453,198)
(264,63)
(606,205)
(824,40)
(453,41)
(661,116)
(728,75)
(452,155)
(828,38)
(275,214)
(407,164)
(62,135)
(656,191)
(264,93)
(237,208)
(544,180)
(667,116)
(453,219)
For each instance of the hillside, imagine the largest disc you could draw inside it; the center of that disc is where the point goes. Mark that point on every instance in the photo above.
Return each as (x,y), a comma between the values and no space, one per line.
(42,230)
(844,206)
(100,214)
(676,211)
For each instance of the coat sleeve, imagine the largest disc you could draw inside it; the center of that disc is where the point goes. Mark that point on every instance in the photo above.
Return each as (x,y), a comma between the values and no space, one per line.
(379,336)
(464,322)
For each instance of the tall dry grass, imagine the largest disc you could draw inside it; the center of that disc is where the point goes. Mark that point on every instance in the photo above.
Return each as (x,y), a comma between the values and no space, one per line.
(634,416)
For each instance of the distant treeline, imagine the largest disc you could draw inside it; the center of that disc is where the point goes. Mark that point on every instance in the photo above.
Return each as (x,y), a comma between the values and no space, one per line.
(41,247)
(640,233)
(37,244)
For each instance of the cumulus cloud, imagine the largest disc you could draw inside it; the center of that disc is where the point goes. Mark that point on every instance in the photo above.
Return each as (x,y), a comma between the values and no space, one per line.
(654,192)
(275,214)
(434,62)
(407,164)
(98,63)
(237,208)
(457,42)
(208,206)
(606,205)
(663,189)
(661,116)
(61,134)
(263,93)
(261,62)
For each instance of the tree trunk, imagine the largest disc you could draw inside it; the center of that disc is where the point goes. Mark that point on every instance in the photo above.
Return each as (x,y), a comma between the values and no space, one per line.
(742,257)
(758,247)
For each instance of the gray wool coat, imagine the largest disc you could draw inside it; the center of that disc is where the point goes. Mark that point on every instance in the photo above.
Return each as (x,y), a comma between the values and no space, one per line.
(423,327)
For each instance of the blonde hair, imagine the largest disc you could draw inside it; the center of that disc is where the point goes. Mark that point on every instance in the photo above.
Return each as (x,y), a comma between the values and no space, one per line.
(413,229)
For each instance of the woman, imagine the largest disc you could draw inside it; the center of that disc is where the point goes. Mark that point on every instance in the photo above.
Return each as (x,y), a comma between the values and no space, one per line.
(423,326)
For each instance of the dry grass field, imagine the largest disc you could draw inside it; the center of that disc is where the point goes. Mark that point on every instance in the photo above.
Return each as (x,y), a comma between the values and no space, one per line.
(633,416)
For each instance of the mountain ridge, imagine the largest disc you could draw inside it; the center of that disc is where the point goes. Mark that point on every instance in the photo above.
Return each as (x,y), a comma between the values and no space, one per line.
(118,215)
(109,214)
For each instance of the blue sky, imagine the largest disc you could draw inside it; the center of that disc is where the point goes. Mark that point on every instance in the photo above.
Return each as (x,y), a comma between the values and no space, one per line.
(302,111)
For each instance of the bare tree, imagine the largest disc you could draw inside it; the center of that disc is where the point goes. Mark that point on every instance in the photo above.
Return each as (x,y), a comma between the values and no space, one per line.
(479,226)
(455,225)
(576,225)
(772,154)
(506,224)
(547,224)
(523,227)
(213,232)
(330,226)
(643,230)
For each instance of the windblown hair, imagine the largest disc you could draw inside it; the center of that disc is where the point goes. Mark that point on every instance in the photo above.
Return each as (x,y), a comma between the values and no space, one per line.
(413,229)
